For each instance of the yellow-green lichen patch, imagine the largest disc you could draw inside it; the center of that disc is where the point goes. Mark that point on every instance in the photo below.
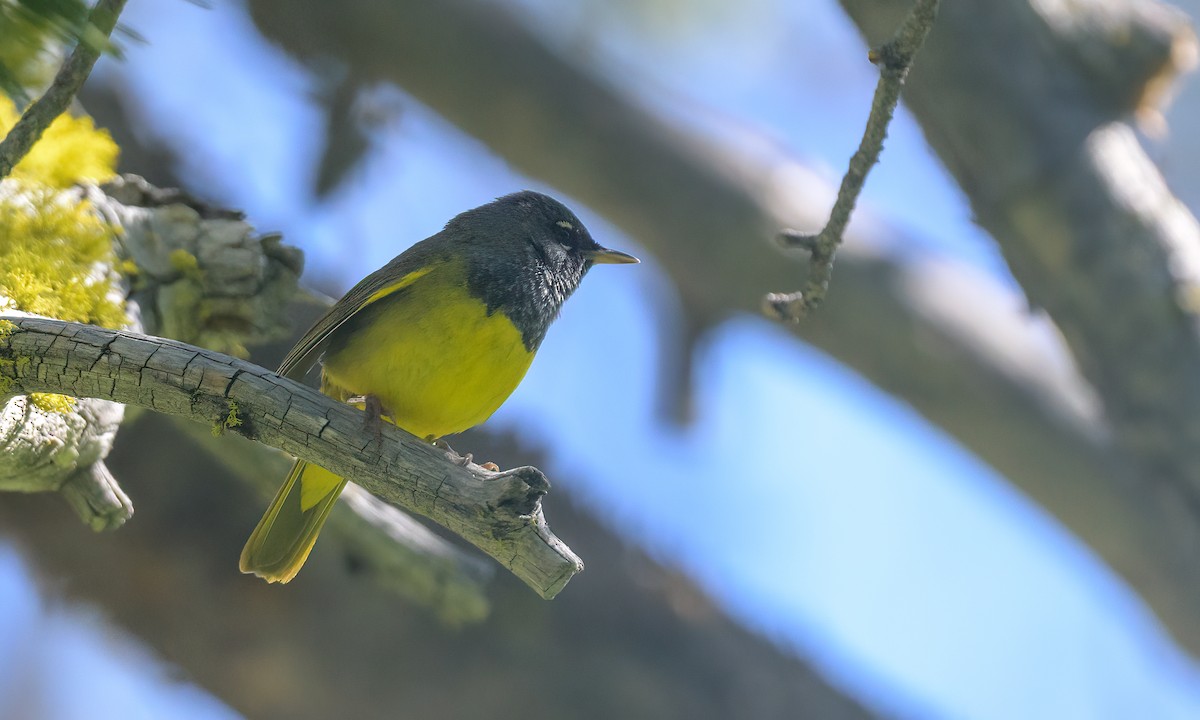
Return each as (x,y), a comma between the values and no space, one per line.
(52,402)
(56,257)
(6,381)
(55,260)
(231,420)
(70,150)
(184,263)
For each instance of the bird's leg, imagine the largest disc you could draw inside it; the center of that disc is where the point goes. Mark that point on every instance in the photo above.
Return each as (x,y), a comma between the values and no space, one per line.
(373,406)
(463,460)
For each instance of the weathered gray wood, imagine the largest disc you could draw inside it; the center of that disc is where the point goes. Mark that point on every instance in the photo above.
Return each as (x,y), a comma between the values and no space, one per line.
(1026,105)
(500,513)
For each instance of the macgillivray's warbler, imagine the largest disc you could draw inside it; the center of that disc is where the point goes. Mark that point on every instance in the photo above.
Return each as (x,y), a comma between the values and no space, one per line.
(436,340)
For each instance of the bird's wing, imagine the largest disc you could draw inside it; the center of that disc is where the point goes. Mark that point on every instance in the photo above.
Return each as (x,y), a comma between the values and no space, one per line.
(397,275)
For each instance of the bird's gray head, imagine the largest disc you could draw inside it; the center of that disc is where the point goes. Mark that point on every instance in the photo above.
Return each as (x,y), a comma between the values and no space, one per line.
(527,254)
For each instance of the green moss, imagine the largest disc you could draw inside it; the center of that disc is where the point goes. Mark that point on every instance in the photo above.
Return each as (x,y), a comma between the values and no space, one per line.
(52,402)
(7,327)
(231,420)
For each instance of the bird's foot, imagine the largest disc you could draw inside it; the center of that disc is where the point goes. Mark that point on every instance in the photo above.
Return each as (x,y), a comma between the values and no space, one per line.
(440,444)
(463,460)
(373,422)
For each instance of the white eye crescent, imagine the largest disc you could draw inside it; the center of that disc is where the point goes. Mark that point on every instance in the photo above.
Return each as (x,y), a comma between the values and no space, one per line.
(565,224)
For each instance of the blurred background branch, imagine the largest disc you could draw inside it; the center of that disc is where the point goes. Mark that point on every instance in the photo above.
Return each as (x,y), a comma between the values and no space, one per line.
(871,571)
(698,206)
(893,58)
(329,641)
(1091,232)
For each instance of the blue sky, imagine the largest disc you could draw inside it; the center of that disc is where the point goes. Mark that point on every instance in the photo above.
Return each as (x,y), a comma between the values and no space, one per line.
(871,543)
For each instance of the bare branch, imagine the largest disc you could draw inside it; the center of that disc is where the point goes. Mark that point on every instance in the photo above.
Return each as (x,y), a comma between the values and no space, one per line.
(894,59)
(54,102)
(500,513)
(1036,138)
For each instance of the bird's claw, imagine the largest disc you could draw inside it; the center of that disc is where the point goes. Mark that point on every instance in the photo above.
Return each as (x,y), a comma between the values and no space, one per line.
(375,411)
(462,460)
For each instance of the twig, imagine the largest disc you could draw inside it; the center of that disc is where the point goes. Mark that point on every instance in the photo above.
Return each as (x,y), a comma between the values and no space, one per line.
(894,59)
(500,513)
(38,116)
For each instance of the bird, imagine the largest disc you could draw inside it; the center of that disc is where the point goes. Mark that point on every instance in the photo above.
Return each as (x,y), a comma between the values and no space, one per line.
(435,341)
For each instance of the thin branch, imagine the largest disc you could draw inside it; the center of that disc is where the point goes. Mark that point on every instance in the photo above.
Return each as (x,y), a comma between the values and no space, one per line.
(500,513)
(1092,232)
(894,59)
(71,76)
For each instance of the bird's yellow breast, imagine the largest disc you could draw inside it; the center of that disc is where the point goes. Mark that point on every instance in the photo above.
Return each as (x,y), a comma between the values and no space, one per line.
(432,354)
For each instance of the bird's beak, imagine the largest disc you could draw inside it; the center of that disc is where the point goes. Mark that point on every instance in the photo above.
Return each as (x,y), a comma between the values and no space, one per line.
(604,256)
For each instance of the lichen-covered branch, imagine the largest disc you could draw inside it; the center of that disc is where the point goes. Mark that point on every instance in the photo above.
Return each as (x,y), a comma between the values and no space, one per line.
(204,276)
(54,102)
(894,59)
(500,513)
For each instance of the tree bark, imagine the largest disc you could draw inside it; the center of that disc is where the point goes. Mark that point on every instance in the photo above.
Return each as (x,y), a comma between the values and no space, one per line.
(1024,103)
(498,512)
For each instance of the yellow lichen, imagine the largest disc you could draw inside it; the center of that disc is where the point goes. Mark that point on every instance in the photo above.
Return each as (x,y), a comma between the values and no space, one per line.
(57,256)
(6,328)
(70,150)
(184,263)
(52,402)
(231,420)
(54,261)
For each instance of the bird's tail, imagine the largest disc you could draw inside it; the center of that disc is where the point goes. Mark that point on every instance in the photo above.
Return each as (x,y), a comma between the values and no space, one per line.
(280,544)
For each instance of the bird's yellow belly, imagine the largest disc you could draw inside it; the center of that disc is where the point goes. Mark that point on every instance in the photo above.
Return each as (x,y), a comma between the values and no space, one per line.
(439,364)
